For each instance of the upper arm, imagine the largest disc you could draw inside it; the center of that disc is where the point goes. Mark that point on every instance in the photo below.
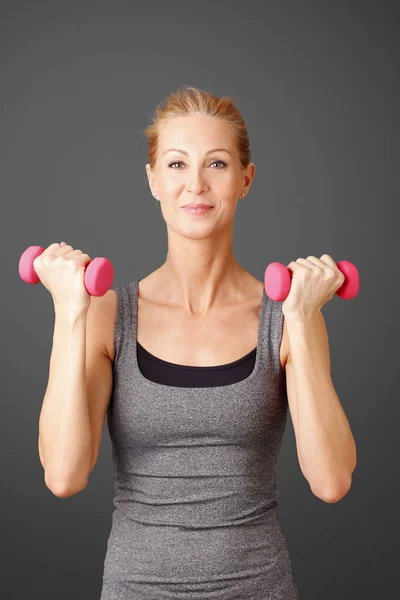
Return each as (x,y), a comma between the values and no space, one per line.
(99,377)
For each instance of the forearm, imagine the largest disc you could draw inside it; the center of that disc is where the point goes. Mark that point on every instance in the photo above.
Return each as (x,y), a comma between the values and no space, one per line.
(64,426)
(324,439)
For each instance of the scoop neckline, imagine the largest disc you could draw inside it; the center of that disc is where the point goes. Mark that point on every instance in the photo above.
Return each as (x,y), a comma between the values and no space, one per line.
(201,368)
(182,389)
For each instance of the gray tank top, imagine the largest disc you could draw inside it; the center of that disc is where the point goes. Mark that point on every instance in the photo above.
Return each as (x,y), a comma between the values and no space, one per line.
(196,504)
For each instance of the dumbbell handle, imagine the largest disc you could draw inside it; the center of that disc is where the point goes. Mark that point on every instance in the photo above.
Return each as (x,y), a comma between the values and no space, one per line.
(278,279)
(98,278)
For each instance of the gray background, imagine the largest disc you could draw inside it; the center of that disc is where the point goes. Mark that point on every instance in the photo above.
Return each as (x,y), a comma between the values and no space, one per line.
(317,84)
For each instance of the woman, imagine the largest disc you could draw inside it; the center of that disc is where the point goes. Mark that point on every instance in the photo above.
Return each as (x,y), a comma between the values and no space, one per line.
(195,383)
(198,411)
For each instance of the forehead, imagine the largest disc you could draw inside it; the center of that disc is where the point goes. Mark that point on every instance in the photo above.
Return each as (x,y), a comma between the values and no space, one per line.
(195,131)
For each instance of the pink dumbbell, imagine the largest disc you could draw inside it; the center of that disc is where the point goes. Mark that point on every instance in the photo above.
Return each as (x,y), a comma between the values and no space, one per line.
(99,272)
(278,279)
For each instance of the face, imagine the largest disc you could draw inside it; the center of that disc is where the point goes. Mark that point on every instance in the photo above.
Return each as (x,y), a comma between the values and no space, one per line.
(214,178)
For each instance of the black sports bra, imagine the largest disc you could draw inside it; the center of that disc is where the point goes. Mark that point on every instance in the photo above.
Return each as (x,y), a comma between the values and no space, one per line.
(167,373)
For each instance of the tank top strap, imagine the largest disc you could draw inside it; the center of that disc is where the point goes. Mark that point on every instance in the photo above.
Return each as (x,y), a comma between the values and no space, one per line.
(271,329)
(125,319)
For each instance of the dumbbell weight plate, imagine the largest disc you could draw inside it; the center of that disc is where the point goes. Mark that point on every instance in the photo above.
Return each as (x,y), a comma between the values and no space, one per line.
(25,268)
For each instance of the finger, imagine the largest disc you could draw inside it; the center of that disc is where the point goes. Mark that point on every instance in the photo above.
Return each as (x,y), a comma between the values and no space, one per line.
(294,266)
(50,249)
(315,261)
(325,266)
(330,265)
(72,253)
(308,264)
(328,260)
(63,250)
(78,254)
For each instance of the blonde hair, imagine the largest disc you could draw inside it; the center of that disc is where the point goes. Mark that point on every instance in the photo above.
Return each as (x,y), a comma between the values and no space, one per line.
(189,100)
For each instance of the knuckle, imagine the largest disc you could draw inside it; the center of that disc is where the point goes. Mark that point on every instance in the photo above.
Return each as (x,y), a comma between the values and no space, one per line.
(37,262)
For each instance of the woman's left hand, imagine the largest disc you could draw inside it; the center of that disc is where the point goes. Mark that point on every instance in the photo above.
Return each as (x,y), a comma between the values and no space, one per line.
(314,282)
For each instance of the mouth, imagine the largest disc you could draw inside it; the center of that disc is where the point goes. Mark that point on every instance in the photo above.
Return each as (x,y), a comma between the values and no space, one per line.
(194,205)
(197,209)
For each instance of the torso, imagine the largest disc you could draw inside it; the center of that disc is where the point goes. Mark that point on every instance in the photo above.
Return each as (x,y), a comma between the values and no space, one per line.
(174,336)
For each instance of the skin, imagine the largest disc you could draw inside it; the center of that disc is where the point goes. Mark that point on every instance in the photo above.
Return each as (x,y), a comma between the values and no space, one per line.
(200,272)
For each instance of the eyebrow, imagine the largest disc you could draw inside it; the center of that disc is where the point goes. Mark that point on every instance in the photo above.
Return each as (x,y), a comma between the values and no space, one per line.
(208,152)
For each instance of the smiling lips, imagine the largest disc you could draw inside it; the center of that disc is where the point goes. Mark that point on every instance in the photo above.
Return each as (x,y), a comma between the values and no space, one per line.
(194,205)
(197,209)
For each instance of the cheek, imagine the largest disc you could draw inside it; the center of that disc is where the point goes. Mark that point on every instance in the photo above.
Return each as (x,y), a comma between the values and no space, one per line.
(172,185)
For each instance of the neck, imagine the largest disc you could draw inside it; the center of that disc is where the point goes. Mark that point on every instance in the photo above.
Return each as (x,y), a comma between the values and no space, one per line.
(201,280)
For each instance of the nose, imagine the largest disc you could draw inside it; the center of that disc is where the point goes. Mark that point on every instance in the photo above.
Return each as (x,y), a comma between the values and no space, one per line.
(196,184)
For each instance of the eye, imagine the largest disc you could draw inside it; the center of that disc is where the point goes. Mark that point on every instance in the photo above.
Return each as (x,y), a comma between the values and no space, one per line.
(219,161)
(179,162)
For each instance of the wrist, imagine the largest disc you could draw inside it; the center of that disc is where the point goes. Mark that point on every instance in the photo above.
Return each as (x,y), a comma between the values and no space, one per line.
(300,317)
(70,313)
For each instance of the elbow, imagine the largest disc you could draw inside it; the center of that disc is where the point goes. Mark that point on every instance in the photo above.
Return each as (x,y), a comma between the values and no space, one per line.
(335,492)
(333,498)
(64,489)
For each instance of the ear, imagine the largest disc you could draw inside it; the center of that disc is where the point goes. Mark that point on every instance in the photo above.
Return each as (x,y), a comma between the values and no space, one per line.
(150,177)
(250,173)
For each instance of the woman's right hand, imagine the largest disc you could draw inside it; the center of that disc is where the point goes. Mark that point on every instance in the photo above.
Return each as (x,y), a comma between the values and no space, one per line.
(61,269)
